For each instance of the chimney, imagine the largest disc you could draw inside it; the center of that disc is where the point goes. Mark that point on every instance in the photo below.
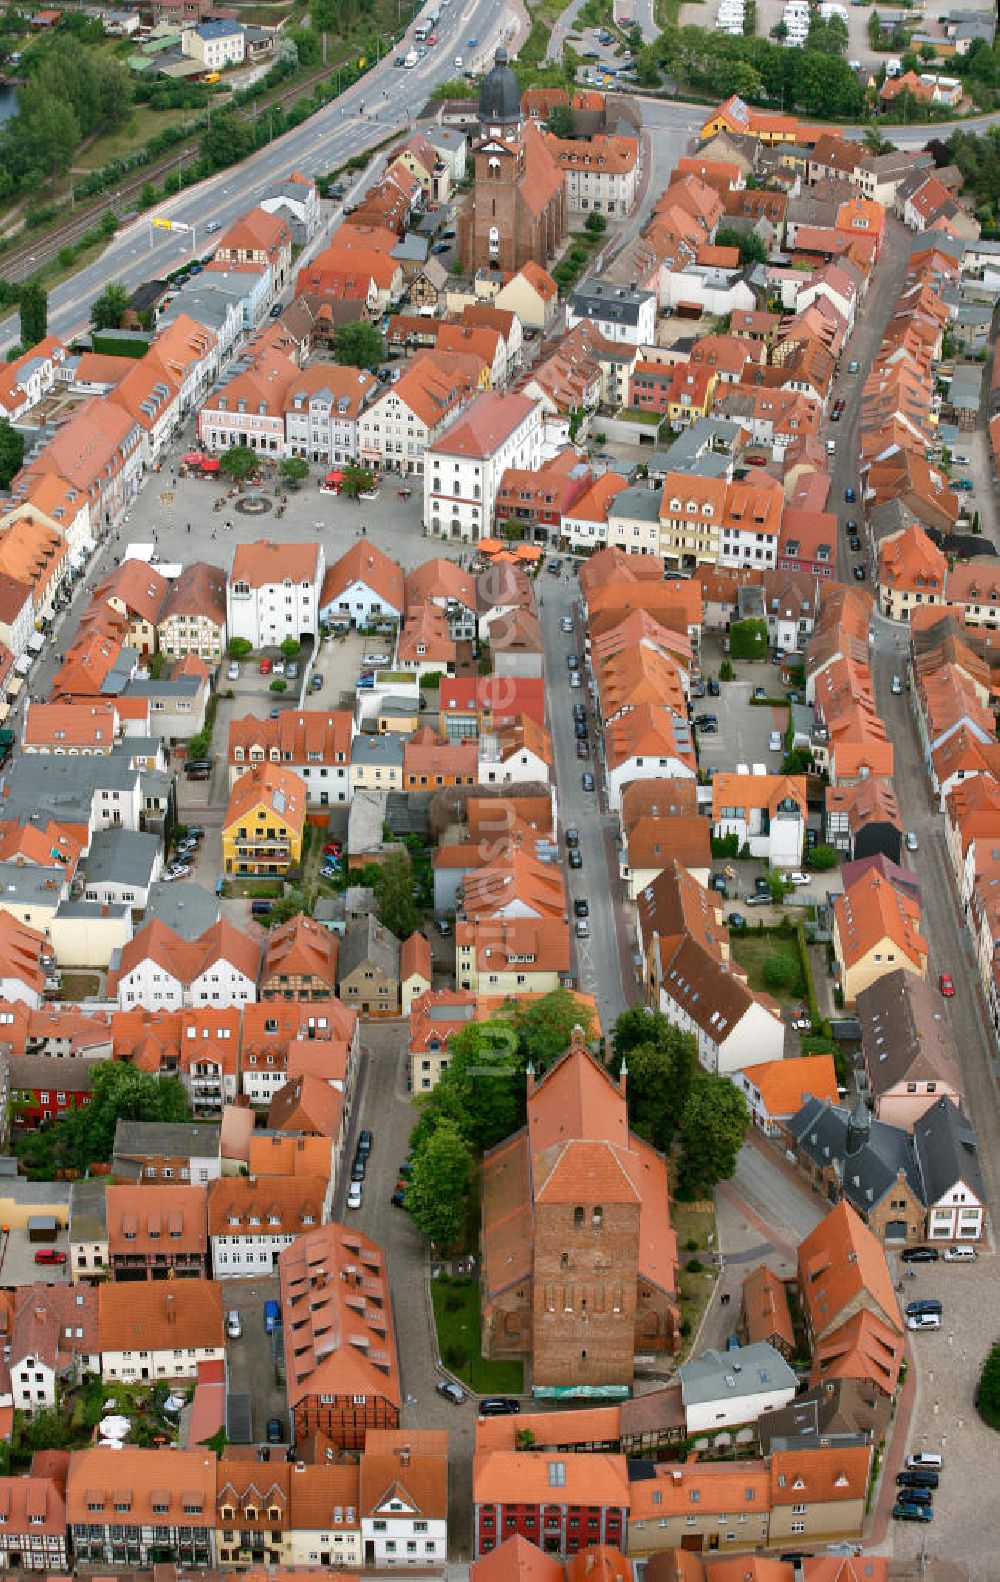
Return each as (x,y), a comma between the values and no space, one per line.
(404,1455)
(623,1078)
(530,1075)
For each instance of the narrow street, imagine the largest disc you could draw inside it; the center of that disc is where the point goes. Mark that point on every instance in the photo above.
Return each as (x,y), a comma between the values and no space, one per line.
(873,315)
(599,957)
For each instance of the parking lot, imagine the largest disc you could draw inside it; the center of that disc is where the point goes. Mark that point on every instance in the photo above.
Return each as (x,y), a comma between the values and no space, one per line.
(251,1358)
(17,1259)
(944,1416)
(744,729)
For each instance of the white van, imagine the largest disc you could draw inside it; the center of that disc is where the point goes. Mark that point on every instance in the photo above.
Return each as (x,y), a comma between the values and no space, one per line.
(411,60)
(924,1460)
(960,1255)
(924,1321)
(831,447)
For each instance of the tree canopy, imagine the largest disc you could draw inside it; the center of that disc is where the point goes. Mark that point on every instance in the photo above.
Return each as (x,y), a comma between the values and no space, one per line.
(239,462)
(85,1136)
(720,64)
(11,452)
(713,1125)
(438,1190)
(108,310)
(988,1393)
(358,345)
(392,881)
(70,93)
(34,308)
(661,1062)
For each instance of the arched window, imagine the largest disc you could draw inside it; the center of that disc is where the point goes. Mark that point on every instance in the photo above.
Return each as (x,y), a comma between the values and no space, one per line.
(578,1219)
(598,1217)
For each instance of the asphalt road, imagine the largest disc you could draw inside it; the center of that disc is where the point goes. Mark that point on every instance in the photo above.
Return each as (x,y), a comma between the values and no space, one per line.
(598,963)
(386,100)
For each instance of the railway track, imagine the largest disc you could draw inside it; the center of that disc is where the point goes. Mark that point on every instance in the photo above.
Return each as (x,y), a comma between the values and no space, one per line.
(36,250)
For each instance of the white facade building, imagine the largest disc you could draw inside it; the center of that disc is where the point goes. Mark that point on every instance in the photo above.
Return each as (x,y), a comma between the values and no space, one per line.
(464,467)
(273,592)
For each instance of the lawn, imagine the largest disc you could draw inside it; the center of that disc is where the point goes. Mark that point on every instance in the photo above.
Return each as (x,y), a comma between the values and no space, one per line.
(694,1223)
(752,948)
(142,124)
(80,986)
(456,1315)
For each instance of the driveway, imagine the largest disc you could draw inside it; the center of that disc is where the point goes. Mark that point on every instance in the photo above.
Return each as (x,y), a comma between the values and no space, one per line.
(251,1359)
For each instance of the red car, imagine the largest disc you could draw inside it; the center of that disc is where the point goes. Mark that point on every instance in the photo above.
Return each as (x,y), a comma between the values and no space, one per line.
(266,666)
(333,848)
(946,984)
(50,1255)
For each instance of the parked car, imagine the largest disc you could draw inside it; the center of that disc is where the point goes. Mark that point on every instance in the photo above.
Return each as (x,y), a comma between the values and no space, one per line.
(924,1304)
(582,928)
(579,711)
(50,1255)
(583,748)
(354,1194)
(274,1433)
(397,1197)
(234,1328)
(445,1387)
(714,689)
(946,984)
(292,671)
(566,623)
(554,567)
(581,906)
(576,859)
(365,1140)
(850,496)
(266,666)
(572,662)
(797,879)
(759,898)
(917,1480)
(587,780)
(572,837)
(921,1460)
(736,920)
(233,672)
(897,686)
(908,1511)
(920,1254)
(701,720)
(499,1406)
(960,1254)
(859,573)
(710,728)
(315,681)
(279,667)
(774,743)
(912,840)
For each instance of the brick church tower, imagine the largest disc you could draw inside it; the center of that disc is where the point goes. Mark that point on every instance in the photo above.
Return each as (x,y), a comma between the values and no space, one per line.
(517,208)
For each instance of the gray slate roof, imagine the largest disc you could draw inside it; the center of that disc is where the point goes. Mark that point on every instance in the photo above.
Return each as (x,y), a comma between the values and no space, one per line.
(122,856)
(167,1137)
(88,1211)
(905,1034)
(368,941)
(727,1375)
(638,502)
(821,1129)
(947,1152)
(186,907)
(602,300)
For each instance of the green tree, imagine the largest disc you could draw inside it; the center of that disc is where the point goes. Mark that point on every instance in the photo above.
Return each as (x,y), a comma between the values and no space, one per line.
(239,463)
(226,140)
(713,1125)
(822,858)
(596,224)
(357,480)
(291,648)
(392,881)
(108,310)
(437,1193)
(829,36)
(798,761)
(294,470)
(988,1390)
(358,345)
(34,308)
(781,972)
(660,1073)
(482,1091)
(545,1026)
(560,121)
(239,647)
(748,639)
(751,248)
(86,1136)
(11,452)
